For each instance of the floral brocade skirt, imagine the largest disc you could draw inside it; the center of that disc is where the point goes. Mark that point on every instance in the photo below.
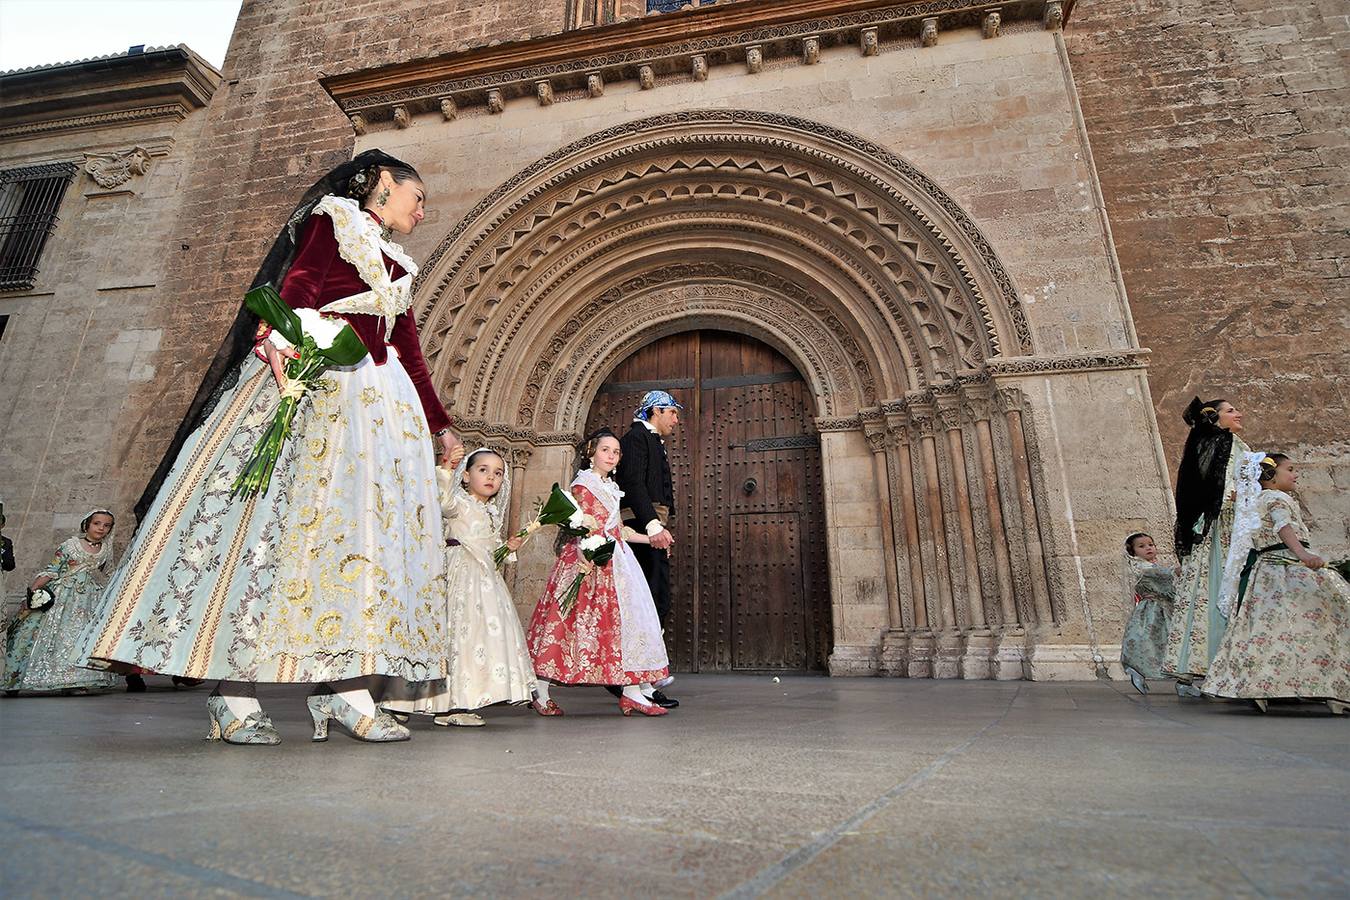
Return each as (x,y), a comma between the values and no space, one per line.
(1144,645)
(1290,637)
(336,572)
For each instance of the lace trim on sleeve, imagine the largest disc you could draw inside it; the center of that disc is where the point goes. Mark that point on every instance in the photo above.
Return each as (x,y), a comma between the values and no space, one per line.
(1246,524)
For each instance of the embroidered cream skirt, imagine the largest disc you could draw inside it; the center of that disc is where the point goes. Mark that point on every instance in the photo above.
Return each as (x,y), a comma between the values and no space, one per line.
(336,572)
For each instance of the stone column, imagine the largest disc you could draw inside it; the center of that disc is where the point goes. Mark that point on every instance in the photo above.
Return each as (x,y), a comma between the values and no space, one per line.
(894,643)
(1011,401)
(918,640)
(948,649)
(979,642)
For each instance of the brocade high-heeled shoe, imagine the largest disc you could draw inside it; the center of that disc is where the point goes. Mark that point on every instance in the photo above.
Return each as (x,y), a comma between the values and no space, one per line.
(1137,680)
(548,708)
(324,705)
(255,728)
(1186,689)
(628,707)
(1338,707)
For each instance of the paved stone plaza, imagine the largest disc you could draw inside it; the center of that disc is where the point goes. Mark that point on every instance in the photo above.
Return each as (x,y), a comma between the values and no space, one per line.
(808,787)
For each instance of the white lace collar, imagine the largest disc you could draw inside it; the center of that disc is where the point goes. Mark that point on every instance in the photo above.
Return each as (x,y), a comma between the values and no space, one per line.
(360,243)
(606,489)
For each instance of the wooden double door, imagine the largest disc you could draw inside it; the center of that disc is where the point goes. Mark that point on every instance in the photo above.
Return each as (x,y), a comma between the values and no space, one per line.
(748,572)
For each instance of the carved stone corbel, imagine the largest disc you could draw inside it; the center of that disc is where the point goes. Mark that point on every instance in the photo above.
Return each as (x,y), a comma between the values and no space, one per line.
(754,59)
(1054,15)
(928,30)
(358,124)
(110,170)
(992,24)
(811,50)
(646,78)
(401,117)
(449,110)
(870,42)
(699,67)
(544,91)
(595,84)
(495,101)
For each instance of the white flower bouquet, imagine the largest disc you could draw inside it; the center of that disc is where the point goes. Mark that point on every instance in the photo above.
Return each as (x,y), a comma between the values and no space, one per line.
(322,343)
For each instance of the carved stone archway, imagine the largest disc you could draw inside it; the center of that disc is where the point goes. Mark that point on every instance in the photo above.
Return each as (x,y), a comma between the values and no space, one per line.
(843,256)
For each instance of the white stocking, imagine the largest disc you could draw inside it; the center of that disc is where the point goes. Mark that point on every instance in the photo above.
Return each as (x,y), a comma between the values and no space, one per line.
(634,693)
(356,691)
(647,691)
(240,698)
(541,690)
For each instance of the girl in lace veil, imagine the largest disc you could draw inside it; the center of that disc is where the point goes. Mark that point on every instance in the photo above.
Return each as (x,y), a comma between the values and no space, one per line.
(485,655)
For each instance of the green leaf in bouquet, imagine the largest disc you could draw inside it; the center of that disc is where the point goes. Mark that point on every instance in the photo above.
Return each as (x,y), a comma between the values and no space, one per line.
(557,509)
(268,305)
(603,554)
(347,349)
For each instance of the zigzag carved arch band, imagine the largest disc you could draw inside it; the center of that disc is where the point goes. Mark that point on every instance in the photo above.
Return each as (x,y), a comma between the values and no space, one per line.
(897,283)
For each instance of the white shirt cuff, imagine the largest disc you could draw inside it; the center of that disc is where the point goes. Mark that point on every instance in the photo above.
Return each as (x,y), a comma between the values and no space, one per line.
(654,527)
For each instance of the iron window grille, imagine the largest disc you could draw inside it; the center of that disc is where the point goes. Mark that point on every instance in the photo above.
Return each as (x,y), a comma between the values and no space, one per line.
(665,6)
(29,200)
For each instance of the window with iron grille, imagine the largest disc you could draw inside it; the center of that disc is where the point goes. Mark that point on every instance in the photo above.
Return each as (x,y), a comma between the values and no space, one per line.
(665,5)
(29,200)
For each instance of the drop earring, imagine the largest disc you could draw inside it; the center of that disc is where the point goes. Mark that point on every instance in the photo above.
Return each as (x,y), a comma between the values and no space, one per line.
(383,198)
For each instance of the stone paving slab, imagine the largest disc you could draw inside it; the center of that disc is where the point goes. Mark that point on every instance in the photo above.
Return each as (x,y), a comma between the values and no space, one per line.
(808,787)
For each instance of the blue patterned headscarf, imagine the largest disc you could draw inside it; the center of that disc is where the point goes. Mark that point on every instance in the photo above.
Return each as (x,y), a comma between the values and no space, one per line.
(655,400)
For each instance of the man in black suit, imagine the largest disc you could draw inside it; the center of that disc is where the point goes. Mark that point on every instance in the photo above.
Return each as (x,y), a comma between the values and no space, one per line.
(649,499)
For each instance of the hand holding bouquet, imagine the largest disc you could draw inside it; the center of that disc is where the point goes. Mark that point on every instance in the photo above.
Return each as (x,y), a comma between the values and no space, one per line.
(561,509)
(596,550)
(322,343)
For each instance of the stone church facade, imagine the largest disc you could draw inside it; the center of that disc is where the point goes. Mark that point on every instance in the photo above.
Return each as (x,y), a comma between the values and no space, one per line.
(869,245)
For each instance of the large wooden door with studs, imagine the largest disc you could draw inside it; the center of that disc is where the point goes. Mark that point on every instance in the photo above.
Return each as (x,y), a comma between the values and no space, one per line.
(749,581)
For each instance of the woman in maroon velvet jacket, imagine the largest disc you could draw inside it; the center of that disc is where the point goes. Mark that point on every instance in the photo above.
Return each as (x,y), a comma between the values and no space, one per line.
(332,576)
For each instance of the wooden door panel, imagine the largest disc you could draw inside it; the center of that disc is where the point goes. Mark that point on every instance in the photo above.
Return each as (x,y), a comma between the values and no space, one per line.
(748,414)
(766,593)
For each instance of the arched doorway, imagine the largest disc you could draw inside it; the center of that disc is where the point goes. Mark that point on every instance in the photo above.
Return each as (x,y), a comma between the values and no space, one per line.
(749,575)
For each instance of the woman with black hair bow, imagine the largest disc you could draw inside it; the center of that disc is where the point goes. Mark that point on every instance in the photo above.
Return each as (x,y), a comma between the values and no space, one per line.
(1211,480)
(331,575)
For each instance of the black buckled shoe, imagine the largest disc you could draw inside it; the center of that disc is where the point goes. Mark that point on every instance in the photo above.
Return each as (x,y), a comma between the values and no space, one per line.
(663,701)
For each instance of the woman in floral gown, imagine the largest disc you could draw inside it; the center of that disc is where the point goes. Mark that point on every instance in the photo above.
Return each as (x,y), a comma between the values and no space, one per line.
(42,646)
(1150,589)
(1212,482)
(335,573)
(611,635)
(1289,628)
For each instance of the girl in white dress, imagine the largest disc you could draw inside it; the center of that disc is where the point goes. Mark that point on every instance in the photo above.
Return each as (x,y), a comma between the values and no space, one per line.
(485,645)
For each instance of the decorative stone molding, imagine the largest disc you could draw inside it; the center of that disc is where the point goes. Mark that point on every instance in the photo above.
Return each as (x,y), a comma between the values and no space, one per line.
(869,42)
(173,112)
(358,124)
(838,423)
(595,85)
(496,103)
(811,50)
(570,195)
(754,59)
(991,25)
(698,67)
(928,32)
(1136,358)
(544,91)
(646,78)
(401,117)
(663,42)
(113,170)
(449,109)
(1054,15)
